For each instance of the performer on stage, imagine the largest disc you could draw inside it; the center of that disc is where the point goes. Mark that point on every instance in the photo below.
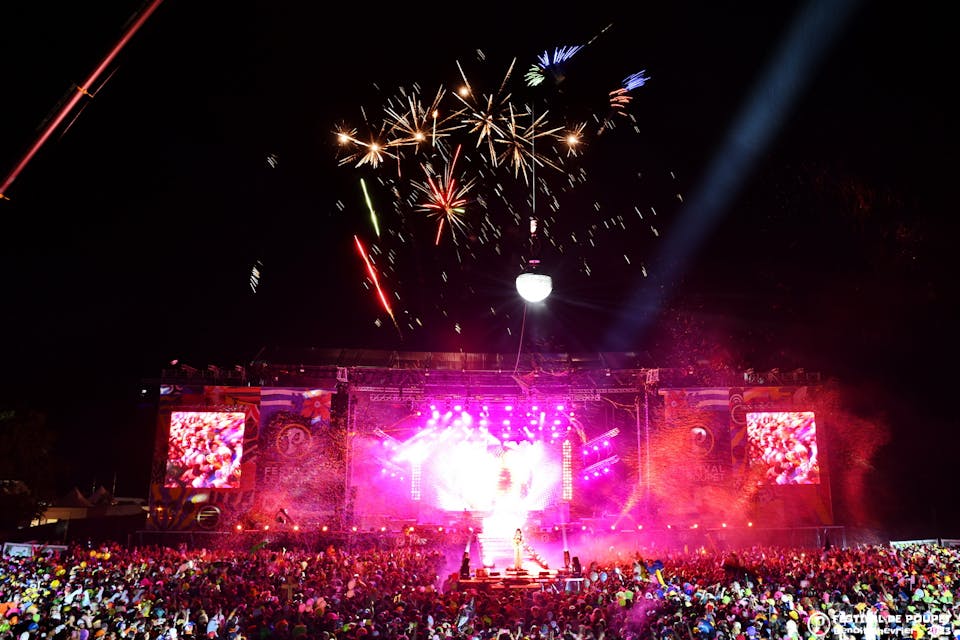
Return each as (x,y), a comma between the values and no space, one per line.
(517,549)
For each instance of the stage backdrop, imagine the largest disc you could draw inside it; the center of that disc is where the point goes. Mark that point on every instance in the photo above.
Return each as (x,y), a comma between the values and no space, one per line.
(733,454)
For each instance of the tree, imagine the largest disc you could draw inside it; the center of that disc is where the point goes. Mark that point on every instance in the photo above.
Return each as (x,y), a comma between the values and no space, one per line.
(26,468)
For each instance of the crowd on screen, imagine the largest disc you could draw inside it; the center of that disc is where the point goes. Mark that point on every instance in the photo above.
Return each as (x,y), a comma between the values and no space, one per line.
(785,445)
(407,593)
(205,450)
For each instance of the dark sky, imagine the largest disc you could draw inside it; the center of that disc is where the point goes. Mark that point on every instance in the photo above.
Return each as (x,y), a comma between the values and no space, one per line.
(813,230)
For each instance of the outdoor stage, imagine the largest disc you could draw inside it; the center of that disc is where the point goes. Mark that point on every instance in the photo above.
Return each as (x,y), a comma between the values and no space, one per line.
(481,444)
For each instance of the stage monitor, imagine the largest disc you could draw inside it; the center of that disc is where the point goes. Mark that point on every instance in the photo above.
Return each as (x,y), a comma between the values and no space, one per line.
(783,447)
(204,449)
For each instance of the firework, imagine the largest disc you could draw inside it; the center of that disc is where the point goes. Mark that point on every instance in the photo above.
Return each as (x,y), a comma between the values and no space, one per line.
(376,281)
(373,152)
(519,143)
(466,157)
(550,64)
(255,273)
(445,199)
(620,97)
(418,125)
(373,214)
(635,80)
(573,139)
(484,116)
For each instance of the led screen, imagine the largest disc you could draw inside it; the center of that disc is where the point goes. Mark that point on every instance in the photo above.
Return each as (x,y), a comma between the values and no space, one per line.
(783,447)
(204,449)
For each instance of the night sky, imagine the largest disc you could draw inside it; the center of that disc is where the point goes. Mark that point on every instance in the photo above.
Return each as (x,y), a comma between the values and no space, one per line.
(810,146)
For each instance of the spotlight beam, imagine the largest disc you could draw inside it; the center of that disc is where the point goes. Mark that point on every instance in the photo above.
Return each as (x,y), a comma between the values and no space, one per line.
(784,79)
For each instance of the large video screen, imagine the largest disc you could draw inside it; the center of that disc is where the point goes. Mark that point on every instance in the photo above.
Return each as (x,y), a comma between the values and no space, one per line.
(782,445)
(205,449)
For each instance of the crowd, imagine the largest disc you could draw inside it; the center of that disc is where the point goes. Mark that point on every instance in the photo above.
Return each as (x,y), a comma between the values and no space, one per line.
(109,592)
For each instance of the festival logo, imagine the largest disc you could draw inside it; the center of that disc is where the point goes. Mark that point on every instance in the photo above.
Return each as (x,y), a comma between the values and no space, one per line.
(293,440)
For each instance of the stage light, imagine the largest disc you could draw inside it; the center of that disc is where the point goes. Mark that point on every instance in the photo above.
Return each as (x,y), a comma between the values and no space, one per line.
(239,527)
(324,528)
(534,287)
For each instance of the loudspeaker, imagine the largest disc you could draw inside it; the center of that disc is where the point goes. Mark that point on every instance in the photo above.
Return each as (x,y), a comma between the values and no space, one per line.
(577,568)
(465,566)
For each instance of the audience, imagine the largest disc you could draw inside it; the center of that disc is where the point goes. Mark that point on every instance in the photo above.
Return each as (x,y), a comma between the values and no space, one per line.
(109,592)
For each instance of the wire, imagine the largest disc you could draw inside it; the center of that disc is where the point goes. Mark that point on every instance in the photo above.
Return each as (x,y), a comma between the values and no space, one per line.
(523,324)
(533,217)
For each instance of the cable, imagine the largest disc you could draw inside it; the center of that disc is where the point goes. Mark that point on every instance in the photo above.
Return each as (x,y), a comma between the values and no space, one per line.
(523,324)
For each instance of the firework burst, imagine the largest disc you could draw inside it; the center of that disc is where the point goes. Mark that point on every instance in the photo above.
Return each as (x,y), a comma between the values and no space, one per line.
(372,153)
(519,143)
(547,64)
(420,124)
(445,198)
